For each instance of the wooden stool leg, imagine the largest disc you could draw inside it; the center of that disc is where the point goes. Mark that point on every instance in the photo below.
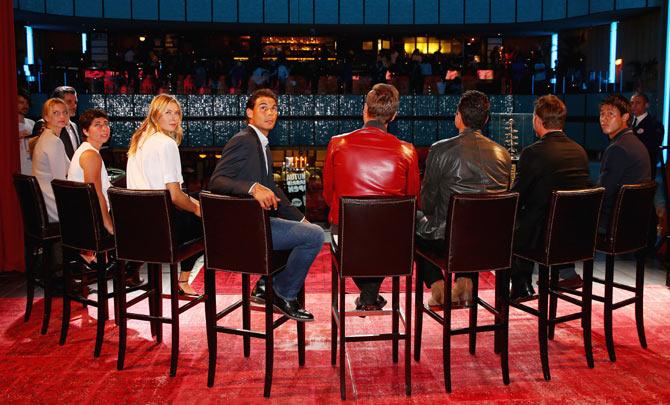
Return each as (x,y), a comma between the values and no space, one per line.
(639,300)
(609,292)
(30,283)
(151,283)
(542,320)
(158,301)
(473,313)
(174,313)
(210,320)
(333,323)
(102,306)
(408,335)
(246,312)
(553,301)
(395,316)
(123,307)
(504,320)
(501,289)
(65,324)
(418,310)
(48,288)
(587,300)
(301,330)
(343,387)
(269,337)
(446,332)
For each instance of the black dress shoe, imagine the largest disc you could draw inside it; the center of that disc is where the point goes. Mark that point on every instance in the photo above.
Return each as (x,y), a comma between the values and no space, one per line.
(291,309)
(258,292)
(377,306)
(522,291)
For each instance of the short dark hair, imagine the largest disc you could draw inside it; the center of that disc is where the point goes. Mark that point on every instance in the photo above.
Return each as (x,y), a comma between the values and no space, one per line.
(88,116)
(25,94)
(383,102)
(641,95)
(251,102)
(61,91)
(551,111)
(617,100)
(474,108)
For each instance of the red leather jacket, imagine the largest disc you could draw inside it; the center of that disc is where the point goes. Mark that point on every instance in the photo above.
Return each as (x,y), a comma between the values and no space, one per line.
(367,162)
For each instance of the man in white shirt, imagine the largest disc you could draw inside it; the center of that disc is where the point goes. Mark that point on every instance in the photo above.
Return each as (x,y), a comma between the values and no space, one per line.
(70,134)
(25,130)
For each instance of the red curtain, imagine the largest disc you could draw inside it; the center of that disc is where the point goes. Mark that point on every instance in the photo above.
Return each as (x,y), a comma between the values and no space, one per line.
(11,231)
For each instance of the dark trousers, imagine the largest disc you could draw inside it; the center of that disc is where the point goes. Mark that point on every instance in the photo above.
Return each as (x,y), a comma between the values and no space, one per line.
(369,286)
(429,272)
(187,228)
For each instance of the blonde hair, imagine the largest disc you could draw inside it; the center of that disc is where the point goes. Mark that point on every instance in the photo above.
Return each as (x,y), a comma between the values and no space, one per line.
(150,124)
(46,111)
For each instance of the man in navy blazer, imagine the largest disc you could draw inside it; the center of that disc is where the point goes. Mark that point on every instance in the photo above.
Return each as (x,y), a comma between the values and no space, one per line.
(625,160)
(245,168)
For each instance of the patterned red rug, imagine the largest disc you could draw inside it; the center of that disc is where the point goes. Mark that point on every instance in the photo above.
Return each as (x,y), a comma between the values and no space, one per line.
(35,369)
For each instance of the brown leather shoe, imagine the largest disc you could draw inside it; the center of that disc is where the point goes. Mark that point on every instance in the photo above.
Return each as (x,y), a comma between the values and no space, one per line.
(572,283)
(464,288)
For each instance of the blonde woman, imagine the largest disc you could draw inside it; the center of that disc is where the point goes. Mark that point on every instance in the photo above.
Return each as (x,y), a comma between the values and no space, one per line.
(154,164)
(48,152)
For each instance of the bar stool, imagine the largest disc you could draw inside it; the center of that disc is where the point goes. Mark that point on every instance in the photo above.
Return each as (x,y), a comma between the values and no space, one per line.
(40,235)
(81,229)
(144,232)
(238,239)
(570,237)
(375,239)
(478,237)
(627,233)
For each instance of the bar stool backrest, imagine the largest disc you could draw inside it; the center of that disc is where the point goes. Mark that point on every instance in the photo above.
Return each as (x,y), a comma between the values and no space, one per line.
(376,236)
(143,227)
(572,225)
(480,231)
(79,215)
(237,234)
(629,226)
(33,209)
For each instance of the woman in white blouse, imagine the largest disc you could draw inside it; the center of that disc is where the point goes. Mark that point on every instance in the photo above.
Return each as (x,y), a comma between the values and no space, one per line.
(154,164)
(48,152)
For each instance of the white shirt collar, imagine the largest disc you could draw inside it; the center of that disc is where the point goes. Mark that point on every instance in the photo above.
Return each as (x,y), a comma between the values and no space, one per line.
(264,139)
(641,117)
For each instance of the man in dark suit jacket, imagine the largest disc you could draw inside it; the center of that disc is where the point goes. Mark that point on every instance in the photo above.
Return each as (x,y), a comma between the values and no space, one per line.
(245,168)
(554,162)
(70,133)
(625,161)
(647,129)
(650,132)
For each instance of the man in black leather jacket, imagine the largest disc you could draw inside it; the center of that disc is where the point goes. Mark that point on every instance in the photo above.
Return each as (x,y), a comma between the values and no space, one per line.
(466,163)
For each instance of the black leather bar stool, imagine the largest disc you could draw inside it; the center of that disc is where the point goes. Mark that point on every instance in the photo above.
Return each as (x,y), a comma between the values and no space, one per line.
(81,229)
(144,232)
(570,237)
(375,239)
(39,235)
(478,237)
(238,239)
(627,233)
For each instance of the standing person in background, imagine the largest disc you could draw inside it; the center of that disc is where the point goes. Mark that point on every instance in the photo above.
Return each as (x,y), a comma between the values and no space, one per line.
(70,133)
(154,164)
(25,130)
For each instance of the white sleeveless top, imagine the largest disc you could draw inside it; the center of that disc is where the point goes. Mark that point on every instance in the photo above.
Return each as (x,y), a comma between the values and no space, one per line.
(76,173)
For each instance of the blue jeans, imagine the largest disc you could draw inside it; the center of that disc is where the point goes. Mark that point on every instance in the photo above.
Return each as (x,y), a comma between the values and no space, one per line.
(305,242)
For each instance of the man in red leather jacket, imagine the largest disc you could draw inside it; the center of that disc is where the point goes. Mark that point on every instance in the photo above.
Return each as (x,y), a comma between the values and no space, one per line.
(370,162)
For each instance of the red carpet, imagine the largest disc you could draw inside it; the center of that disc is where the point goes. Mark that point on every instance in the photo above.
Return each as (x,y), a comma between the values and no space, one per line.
(35,369)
